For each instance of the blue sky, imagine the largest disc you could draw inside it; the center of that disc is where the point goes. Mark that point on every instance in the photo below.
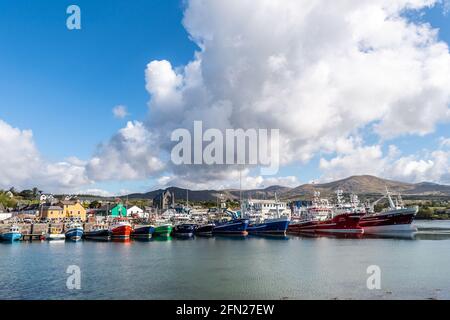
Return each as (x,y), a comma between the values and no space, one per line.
(50,74)
(51,77)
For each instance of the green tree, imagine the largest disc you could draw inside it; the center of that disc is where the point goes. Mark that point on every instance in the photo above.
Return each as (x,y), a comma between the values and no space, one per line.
(95,205)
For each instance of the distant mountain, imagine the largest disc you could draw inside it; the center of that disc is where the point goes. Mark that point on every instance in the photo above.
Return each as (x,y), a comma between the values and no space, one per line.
(212,195)
(362,185)
(369,185)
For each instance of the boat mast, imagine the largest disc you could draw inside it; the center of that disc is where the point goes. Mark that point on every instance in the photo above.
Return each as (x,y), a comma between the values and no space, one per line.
(391,202)
(187,198)
(277,204)
(240,193)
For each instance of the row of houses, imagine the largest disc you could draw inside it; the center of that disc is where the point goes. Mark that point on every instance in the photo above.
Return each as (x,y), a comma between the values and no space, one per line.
(66,209)
(74,210)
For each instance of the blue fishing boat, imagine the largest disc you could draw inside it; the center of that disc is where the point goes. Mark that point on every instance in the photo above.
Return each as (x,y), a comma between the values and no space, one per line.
(272,223)
(98,233)
(235,226)
(185,230)
(12,235)
(143,232)
(74,232)
(270,226)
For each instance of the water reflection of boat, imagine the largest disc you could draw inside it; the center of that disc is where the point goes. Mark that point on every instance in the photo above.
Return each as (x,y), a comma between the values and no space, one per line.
(330,235)
(231,236)
(433,235)
(122,240)
(270,236)
(392,235)
(162,239)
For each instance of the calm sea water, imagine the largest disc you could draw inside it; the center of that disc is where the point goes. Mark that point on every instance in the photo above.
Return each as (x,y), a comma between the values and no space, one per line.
(232,268)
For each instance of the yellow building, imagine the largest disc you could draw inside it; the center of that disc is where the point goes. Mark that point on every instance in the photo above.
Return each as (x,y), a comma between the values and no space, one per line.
(73,210)
(52,213)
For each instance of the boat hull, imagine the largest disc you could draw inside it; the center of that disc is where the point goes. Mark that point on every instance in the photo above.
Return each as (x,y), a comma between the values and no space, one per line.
(270,226)
(163,231)
(393,221)
(100,235)
(55,237)
(184,230)
(205,230)
(74,234)
(344,223)
(11,236)
(121,232)
(143,232)
(238,226)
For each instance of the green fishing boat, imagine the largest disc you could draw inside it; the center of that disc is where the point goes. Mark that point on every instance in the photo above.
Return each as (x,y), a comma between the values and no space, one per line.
(163,230)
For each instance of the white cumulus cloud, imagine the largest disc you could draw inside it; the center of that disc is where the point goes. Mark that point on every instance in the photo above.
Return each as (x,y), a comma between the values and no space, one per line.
(24,167)
(120,111)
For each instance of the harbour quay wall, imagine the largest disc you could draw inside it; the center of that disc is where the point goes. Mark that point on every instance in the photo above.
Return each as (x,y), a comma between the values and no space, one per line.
(40,228)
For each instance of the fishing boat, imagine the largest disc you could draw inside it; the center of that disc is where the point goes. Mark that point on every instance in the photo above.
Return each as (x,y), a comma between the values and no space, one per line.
(74,232)
(98,233)
(232,223)
(321,217)
(185,230)
(343,223)
(164,230)
(270,226)
(13,234)
(277,225)
(396,218)
(55,234)
(205,230)
(236,225)
(143,232)
(120,228)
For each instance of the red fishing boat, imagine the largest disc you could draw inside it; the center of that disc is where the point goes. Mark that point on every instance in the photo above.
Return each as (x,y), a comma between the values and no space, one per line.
(396,218)
(121,229)
(321,217)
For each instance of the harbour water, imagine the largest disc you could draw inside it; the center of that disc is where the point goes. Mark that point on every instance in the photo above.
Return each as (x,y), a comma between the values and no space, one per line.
(232,268)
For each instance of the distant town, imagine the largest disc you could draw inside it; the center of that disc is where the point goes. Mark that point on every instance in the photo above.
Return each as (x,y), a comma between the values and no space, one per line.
(33,205)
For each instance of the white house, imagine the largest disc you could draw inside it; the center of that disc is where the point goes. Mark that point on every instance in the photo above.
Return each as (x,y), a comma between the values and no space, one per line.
(136,211)
(47,198)
(5,216)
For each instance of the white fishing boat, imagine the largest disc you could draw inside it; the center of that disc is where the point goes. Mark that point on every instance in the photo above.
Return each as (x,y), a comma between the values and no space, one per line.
(55,234)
